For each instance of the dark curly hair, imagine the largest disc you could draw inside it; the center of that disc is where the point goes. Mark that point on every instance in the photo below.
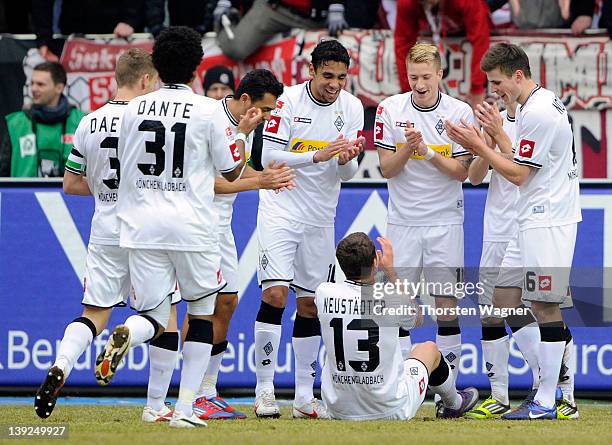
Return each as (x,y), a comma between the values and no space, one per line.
(356,254)
(329,51)
(257,83)
(177,52)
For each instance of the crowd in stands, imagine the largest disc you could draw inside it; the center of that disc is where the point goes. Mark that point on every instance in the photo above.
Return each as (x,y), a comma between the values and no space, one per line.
(241,27)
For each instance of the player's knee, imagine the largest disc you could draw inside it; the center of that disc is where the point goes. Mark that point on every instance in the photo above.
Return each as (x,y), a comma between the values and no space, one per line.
(276,296)
(306,307)
(225,306)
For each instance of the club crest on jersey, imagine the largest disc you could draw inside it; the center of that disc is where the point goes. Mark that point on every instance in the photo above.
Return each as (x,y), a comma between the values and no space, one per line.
(545,283)
(526,148)
(378,131)
(273,124)
(264,262)
(339,123)
(440,127)
(302,120)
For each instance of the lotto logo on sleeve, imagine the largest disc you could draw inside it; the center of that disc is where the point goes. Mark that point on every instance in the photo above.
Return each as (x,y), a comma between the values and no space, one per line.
(235,152)
(545,282)
(422,385)
(273,124)
(526,148)
(378,131)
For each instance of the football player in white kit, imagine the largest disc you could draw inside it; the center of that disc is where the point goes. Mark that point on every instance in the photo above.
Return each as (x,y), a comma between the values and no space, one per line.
(501,272)
(316,129)
(544,168)
(364,375)
(258,89)
(168,220)
(425,170)
(107,279)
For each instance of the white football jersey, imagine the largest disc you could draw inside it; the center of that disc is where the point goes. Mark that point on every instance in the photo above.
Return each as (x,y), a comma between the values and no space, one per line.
(302,124)
(168,168)
(363,361)
(94,151)
(421,195)
(544,140)
(500,223)
(223,118)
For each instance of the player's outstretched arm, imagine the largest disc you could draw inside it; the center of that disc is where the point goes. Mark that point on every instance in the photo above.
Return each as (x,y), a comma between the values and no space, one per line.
(273,177)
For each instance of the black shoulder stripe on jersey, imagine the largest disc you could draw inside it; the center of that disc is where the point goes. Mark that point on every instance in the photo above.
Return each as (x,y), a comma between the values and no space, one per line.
(118,102)
(273,139)
(76,152)
(230,116)
(72,170)
(527,163)
(319,103)
(175,86)
(356,283)
(461,153)
(386,147)
(529,97)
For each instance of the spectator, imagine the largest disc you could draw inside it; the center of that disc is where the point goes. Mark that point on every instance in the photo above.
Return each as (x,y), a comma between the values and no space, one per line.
(119,17)
(535,14)
(581,15)
(269,17)
(196,14)
(218,82)
(443,17)
(390,8)
(37,142)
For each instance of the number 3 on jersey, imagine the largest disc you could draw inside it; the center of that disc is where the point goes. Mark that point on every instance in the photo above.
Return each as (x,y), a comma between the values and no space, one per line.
(369,344)
(156,147)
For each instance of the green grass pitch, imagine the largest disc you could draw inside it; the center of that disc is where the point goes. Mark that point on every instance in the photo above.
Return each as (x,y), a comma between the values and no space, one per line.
(121,425)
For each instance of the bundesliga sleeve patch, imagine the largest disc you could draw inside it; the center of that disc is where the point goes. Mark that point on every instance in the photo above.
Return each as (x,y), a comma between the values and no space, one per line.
(526,148)
(273,124)
(378,131)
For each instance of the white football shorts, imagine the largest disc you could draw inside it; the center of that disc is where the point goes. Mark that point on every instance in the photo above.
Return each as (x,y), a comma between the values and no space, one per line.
(301,255)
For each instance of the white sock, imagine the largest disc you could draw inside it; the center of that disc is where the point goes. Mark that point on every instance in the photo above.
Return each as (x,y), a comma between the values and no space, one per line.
(551,354)
(447,390)
(306,351)
(568,369)
(141,330)
(162,362)
(528,340)
(195,361)
(405,346)
(495,355)
(208,388)
(450,347)
(267,342)
(77,338)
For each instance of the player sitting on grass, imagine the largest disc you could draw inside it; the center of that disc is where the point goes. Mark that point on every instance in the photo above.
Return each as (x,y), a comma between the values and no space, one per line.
(364,376)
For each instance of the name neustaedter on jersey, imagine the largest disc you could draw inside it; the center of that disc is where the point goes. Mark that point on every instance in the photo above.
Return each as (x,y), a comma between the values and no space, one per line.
(301,125)
(223,119)
(94,151)
(168,169)
(421,195)
(363,366)
(544,141)
(500,223)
